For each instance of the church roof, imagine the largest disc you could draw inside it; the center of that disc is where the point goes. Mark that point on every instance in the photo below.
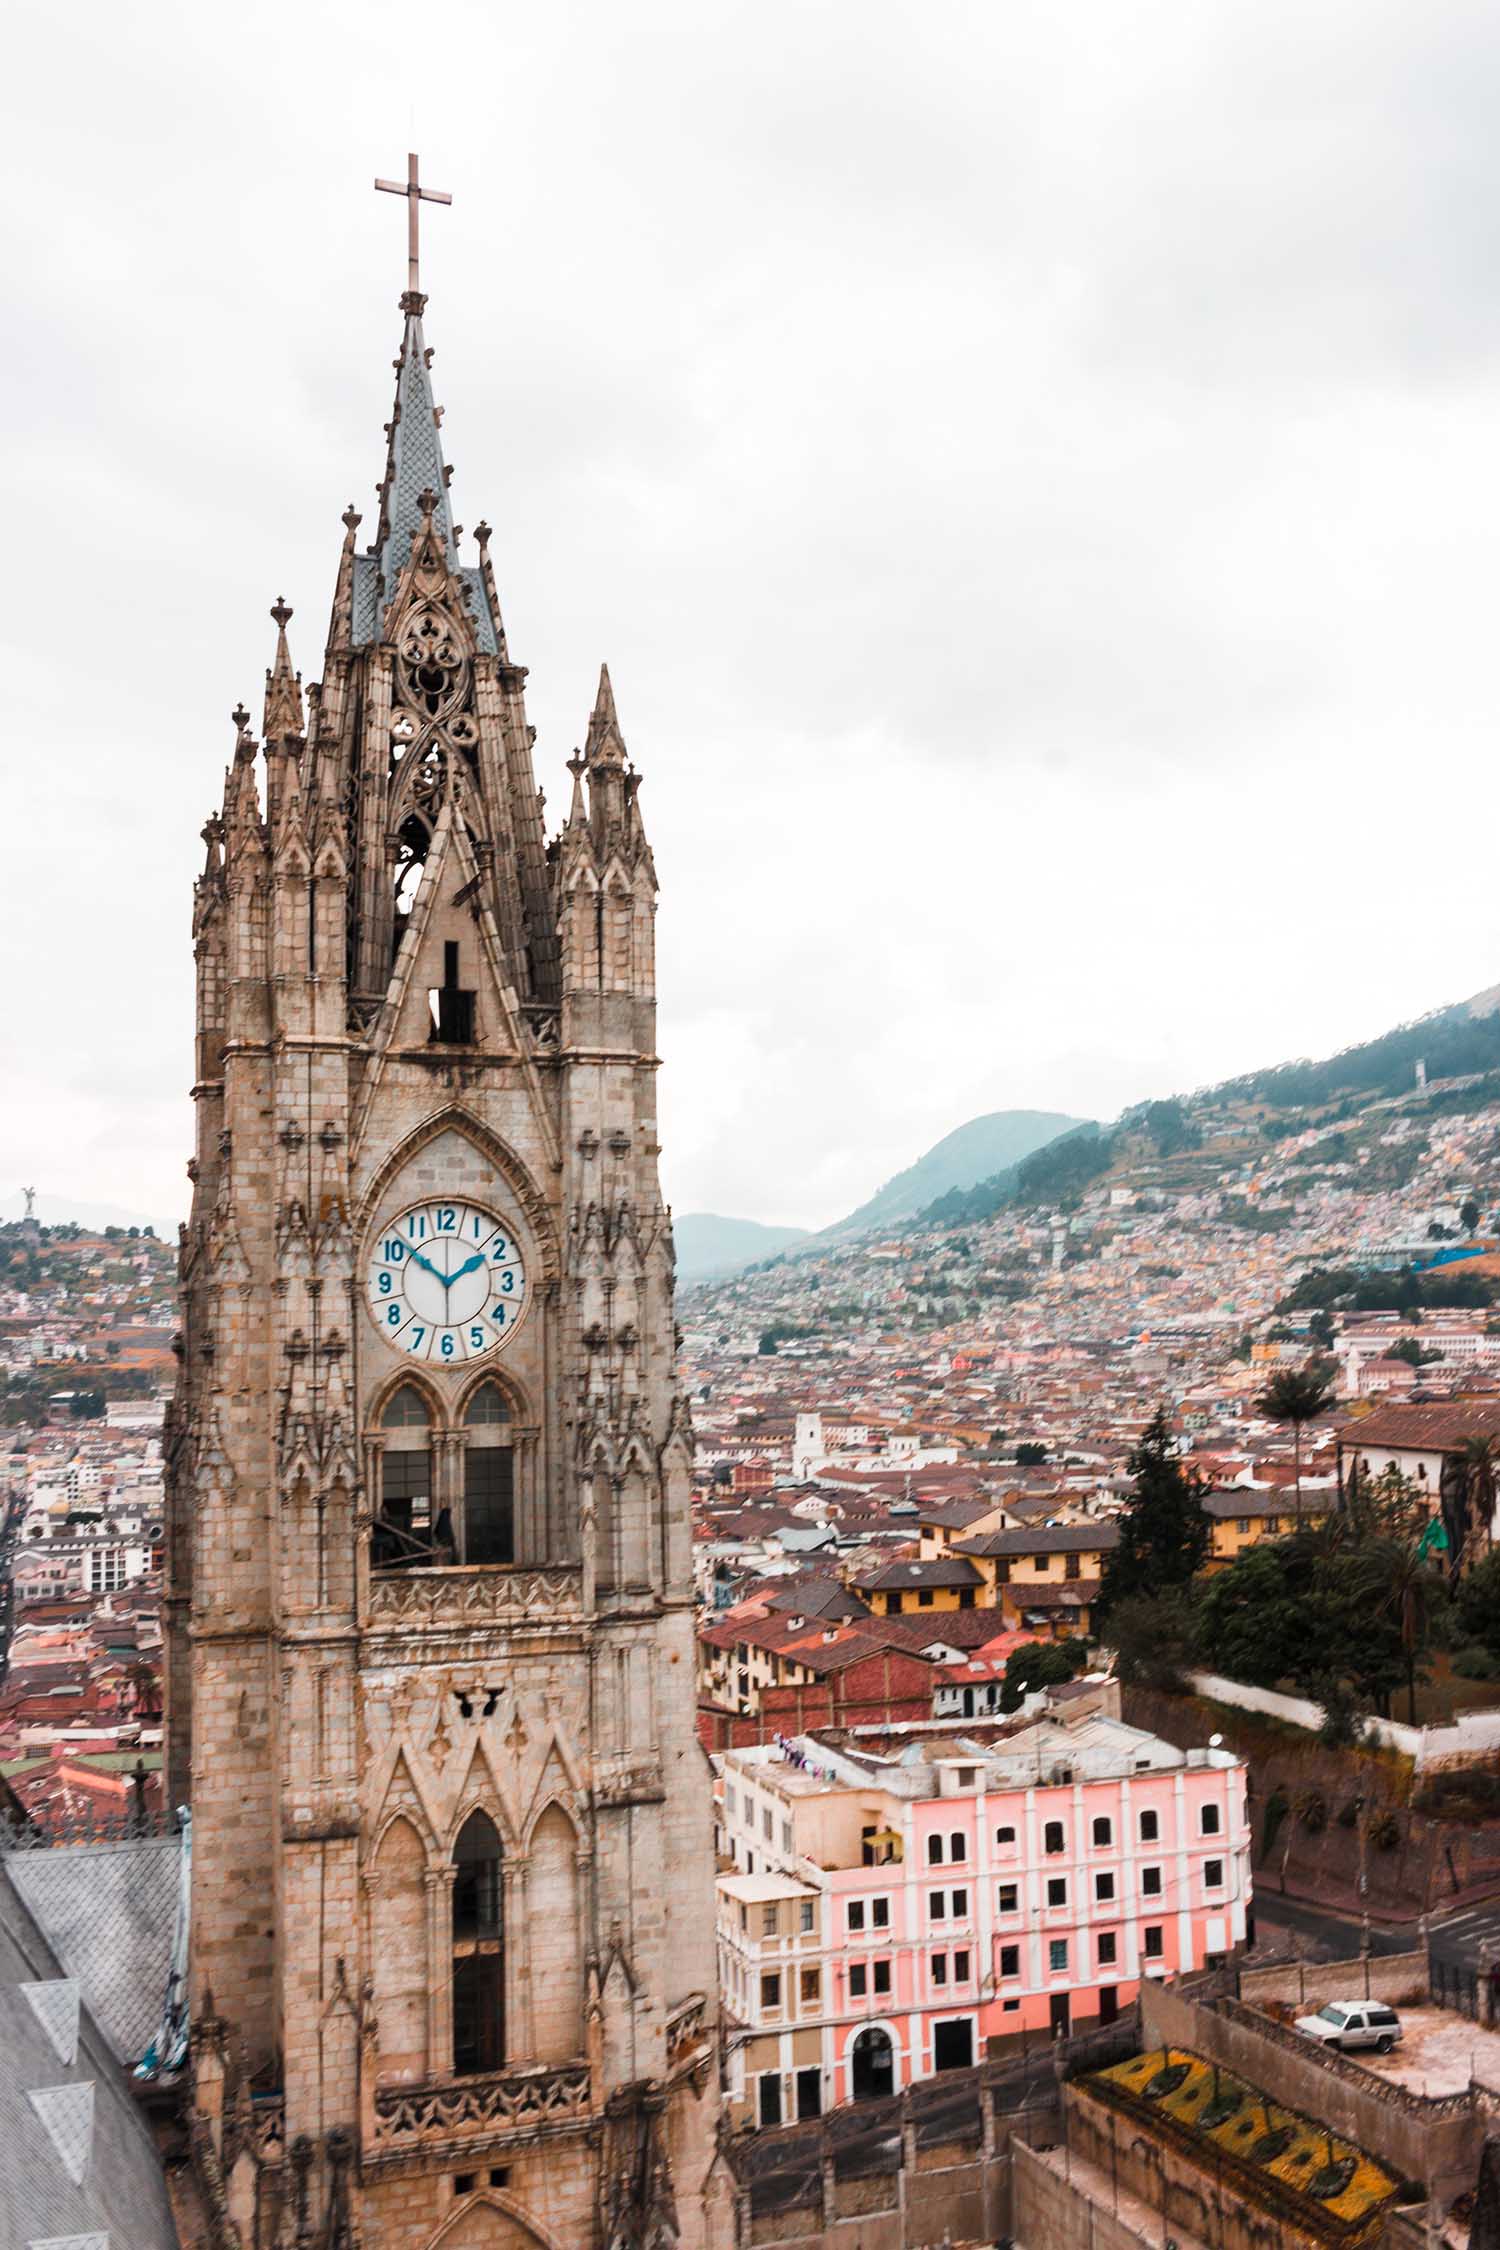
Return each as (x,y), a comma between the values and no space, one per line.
(77,2160)
(413,466)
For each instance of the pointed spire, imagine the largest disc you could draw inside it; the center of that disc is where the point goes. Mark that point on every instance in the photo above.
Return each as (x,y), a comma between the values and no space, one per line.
(606,744)
(341,624)
(414,457)
(241,789)
(482,536)
(283,685)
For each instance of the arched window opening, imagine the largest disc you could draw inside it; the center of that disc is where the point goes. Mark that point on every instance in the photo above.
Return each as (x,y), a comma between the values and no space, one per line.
(872,2065)
(412,844)
(405,1532)
(489,1531)
(478,1948)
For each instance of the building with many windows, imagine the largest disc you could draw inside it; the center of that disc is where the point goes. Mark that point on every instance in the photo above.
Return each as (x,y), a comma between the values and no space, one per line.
(907,1901)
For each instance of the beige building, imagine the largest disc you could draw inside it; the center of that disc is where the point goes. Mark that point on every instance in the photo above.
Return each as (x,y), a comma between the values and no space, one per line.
(430,1632)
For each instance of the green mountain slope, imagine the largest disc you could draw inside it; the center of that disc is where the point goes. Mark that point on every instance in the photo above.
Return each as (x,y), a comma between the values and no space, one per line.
(973,1152)
(711,1248)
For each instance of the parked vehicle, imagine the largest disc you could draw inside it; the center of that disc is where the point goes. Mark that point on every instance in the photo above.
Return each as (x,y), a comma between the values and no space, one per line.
(1346,2024)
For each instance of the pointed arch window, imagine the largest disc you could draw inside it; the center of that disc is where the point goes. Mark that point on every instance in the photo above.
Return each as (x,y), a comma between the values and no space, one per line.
(489,1529)
(404,1532)
(478,1947)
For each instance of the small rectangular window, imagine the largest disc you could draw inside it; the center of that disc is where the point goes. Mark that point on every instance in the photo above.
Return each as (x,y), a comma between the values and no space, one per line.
(1057,1955)
(1208,1820)
(959,1904)
(934,1851)
(882,1976)
(1104,1833)
(1154,1946)
(1007,1899)
(1057,1890)
(880,1914)
(937,1906)
(1151,1882)
(856,1913)
(1108,1949)
(960,1968)
(957,1845)
(1010,1960)
(856,1980)
(1005,1839)
(809,1914)
(940,1968)
(768,1921)
(768,1824)
(812,1987)
(770,1989)
(1052,1837)
(1104,1887)
(1150,1827)
(1213,1874)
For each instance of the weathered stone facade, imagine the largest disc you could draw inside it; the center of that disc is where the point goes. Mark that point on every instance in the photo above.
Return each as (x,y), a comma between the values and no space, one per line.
(431,1668)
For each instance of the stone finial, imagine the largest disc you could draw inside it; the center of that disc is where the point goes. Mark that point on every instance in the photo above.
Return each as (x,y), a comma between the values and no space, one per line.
(281,613)
(482,534)
(352,519)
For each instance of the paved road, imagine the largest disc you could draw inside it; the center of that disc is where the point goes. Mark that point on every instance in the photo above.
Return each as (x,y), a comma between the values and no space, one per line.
(1337,1935)
(1460,1937)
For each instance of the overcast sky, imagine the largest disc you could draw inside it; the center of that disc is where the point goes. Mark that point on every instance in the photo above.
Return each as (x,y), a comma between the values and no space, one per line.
(1031,469)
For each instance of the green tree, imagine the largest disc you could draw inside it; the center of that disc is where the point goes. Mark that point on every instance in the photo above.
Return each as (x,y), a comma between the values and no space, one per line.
(1478,1479)
(1253,1619)
(1469,1216)
(1321,1329)
(1298,1395)
(1040,1664)
(1030,1455)
(1164,1533)
(1476,1604)
(1390,1578)
(1156,1638)
(1415,1354)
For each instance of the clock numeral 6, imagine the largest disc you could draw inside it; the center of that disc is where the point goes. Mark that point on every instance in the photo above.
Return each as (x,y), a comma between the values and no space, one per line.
(446,1346)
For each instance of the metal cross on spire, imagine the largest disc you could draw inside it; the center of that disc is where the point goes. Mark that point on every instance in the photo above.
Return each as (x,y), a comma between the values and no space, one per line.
(412,188)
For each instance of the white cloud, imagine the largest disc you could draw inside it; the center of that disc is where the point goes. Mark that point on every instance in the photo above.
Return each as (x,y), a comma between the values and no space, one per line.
(1031,471)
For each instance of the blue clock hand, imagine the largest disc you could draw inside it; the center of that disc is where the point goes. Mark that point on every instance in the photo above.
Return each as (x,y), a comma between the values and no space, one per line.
(468,1266)
(427,1265)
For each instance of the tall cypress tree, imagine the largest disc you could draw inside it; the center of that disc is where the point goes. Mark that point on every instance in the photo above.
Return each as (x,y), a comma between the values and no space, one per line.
(1164,1533)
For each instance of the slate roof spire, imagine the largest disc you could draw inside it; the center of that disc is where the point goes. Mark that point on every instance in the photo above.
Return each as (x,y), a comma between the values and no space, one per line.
(414,456)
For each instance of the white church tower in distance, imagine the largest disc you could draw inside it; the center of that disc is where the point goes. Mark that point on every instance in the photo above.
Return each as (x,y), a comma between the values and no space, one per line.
(430,1629)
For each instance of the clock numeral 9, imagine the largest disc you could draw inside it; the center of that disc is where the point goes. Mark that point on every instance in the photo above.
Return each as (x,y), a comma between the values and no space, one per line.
(386,1285)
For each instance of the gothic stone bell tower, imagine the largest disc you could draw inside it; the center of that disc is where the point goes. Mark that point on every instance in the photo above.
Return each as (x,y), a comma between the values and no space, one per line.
(431,1682)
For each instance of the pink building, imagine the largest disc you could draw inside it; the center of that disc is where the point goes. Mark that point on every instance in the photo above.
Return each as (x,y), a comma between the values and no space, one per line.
(911,1900)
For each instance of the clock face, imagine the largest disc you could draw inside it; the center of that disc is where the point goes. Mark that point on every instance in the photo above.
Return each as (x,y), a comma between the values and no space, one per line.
(446,1282)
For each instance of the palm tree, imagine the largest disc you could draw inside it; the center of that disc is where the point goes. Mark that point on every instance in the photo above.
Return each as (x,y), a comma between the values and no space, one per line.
(1298,1395)
(1479,1473)
(1398,1581)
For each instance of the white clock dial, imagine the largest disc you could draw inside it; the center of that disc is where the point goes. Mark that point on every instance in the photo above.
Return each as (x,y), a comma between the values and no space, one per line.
(446,1282)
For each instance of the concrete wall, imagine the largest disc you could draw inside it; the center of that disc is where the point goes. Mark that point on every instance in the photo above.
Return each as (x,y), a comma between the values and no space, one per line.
(1048,2213)
(1437,2141)
(1395,1977)
(1470,1736)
